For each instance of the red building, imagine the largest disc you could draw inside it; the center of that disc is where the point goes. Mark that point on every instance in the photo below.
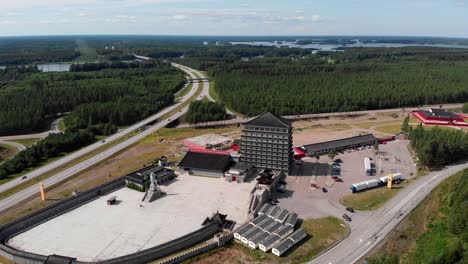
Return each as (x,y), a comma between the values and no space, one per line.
(442,117)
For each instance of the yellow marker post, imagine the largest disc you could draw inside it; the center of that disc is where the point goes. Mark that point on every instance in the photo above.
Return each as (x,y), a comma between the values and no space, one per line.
(43,198)
(390,181)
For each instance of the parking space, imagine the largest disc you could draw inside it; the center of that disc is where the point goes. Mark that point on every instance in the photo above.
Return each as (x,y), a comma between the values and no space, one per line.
(311,202)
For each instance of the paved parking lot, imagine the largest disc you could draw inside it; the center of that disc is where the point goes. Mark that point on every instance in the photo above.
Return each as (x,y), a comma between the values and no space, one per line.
(96,231)
(313,203)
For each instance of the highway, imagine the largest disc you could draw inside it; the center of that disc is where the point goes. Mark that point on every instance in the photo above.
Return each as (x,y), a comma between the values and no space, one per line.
(370,228)
(24,194)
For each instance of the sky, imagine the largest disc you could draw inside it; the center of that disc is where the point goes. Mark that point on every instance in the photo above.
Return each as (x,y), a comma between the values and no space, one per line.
(444,18)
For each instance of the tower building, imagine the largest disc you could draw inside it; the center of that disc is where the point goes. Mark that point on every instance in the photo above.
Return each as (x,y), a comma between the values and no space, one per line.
(266,142)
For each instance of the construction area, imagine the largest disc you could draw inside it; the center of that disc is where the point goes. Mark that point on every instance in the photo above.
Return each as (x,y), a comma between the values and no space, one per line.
(97,231)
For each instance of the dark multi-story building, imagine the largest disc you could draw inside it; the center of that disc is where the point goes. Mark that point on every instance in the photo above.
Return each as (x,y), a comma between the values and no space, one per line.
(266,142)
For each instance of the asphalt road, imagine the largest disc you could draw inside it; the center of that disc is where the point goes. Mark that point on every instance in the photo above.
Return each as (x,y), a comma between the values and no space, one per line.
(239,120)
(19,196)
(19,146)
(369,228)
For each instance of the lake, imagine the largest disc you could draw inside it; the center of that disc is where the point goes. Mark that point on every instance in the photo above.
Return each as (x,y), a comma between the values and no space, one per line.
(334,47)
(54,67)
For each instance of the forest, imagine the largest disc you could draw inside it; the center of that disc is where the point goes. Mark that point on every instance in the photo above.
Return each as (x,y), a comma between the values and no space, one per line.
(110,94)
(356,79)
(52,146)
(26,50)
(445,239)
(437,147)
(205,111)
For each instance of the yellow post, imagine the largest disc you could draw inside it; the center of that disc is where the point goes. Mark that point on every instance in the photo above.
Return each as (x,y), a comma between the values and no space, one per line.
(43,198)
(390,181)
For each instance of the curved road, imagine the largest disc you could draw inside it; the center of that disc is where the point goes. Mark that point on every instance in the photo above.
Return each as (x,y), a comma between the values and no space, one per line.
(370,228)
(19,196)
(19,146)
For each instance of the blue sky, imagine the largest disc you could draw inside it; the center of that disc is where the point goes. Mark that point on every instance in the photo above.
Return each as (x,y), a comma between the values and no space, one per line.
(214,17)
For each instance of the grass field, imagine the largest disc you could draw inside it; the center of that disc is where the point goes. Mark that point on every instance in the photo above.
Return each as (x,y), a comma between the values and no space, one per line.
(184,92)
(7,152)
(371,199)
(404,239)
(27,142)
(323,233)
(389,129)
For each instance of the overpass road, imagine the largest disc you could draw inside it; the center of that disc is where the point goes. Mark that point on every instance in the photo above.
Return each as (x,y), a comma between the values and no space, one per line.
(26,193)
(370,228)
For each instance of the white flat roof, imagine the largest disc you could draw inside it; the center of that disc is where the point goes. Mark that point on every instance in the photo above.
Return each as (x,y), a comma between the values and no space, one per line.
(97,231)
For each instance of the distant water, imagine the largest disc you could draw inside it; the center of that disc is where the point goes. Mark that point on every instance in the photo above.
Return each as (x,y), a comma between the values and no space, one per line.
(54,67)
(2,67)
(333,47)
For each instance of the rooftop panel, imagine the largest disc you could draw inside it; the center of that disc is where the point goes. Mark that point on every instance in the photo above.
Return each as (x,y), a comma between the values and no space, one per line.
(264,209)
(292,219)
(339,143)
(284,231)
(298,235)
(257,220)
(273,227)
(270,240)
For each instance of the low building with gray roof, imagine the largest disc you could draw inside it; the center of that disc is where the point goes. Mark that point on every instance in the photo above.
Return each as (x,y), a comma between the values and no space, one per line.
(292,219)
(289,242)
(257,220)
(281,215)
(253,243)
(274,211)
(284,231)
(266,223)
(272,228)
(269,242)
(251,234)
(242,230)
(264,209)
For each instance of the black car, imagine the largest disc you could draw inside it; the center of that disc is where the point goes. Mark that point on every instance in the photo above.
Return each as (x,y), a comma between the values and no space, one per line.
(349,209)
(280,190)
(339,180)
(324,190)
(346,217)
(282,182)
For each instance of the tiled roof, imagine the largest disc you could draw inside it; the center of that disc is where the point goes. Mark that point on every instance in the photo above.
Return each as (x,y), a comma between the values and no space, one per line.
(339,143)
(269,120)
(205,161)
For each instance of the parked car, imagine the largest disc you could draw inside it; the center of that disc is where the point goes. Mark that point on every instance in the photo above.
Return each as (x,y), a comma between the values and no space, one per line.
(338,161)
(24,177)
(324,190)
(349,209)
(283,182)
(346,217)
(103,141)
(339,180)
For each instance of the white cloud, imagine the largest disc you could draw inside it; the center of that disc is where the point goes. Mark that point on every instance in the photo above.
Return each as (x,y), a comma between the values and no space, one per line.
(180,17)
(122,19)
(316,18)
